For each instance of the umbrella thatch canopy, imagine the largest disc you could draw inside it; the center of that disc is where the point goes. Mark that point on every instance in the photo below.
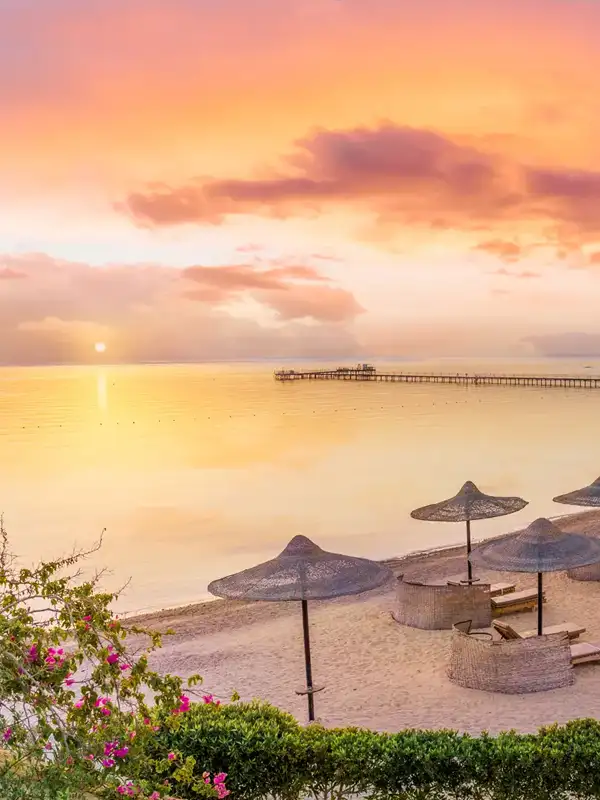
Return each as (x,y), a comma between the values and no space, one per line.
(467,505)
(302,572)
(542,547)
(588,496)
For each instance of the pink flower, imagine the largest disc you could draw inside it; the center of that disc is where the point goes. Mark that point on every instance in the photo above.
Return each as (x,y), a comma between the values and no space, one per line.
(80,703)
(32,654)
(184,705)
(210,699)
(48,746)
(154,796)
(121,752)
(88,618)
(7,734)
(55,657)
(112,658)
(171,756)
(69,680)
(132,735)
(90,757)
(123,667)
(121,789)
(106,711)
(108,762)
(221,777)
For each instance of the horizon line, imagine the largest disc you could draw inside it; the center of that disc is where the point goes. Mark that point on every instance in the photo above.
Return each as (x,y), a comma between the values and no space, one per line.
(297,359)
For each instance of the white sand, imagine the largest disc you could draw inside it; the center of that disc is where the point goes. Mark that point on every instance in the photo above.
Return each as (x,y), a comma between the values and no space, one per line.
(377,673)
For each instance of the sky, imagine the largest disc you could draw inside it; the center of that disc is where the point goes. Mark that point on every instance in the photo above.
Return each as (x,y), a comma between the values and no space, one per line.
(236,179)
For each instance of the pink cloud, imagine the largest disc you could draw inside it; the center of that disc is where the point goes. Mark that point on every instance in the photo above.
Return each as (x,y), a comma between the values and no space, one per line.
(9,274)
(294,292)
(525,273)
(407,175)
(563,345)
(385,163)
(506,250)
(144,312)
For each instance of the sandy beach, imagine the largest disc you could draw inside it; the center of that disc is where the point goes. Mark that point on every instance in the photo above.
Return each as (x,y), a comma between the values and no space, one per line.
(377,673)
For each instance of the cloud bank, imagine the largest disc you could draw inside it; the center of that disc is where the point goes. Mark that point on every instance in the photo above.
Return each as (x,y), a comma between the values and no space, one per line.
(408,175)
(53,311)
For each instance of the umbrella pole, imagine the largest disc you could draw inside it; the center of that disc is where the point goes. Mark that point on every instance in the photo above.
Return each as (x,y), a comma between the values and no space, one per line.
(469,565)
(540,603)
(309,681)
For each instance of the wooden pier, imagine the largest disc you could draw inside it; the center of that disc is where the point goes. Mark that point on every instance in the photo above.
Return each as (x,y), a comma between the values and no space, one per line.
(366,372)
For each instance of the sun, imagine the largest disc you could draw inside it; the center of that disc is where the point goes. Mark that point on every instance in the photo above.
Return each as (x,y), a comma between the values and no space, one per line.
(100,347)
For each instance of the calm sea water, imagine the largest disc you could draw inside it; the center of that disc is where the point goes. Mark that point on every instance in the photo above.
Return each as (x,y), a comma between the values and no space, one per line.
(199,471)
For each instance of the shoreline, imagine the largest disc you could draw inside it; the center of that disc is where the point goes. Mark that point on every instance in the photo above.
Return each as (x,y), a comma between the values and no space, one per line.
(394,562)
(377,674)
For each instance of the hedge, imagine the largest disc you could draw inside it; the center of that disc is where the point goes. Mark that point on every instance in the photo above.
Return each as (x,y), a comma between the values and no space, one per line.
(267,754)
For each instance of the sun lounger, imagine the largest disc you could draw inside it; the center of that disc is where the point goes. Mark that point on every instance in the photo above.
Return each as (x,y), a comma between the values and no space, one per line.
(584,653)
(508,632)
(495,588)
(571,628)
(525,600)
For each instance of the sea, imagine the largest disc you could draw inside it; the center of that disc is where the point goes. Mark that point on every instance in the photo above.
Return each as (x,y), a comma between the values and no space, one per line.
(194,472)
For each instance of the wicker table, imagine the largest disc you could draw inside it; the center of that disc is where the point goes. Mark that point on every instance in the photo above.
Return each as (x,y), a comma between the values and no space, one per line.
(496,589)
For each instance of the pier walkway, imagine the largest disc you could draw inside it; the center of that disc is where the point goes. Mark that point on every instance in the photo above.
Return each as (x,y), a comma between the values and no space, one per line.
(366,372)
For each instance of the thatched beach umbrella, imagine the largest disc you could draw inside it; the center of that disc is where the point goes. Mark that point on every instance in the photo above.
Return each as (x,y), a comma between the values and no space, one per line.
(589,496)
(541,547)
(469,504)
(304,572)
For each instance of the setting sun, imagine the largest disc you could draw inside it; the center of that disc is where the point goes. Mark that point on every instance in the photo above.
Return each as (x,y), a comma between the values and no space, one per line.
(100,347)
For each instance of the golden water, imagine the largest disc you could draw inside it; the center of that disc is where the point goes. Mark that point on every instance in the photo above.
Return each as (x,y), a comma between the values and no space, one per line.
(199,471)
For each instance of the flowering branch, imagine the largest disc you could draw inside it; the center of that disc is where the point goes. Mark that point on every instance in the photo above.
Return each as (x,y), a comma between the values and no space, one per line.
(78,707)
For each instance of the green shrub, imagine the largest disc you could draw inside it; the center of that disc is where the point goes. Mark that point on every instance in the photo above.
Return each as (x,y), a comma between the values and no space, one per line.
(267,754)
(29,787)
(266,744)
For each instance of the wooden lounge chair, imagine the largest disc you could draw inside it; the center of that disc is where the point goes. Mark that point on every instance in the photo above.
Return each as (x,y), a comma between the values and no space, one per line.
(495,588)
(508,632)
(584,653)
(525,600)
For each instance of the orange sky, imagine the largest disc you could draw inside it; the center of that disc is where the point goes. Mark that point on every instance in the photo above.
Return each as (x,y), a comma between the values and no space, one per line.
(192,179)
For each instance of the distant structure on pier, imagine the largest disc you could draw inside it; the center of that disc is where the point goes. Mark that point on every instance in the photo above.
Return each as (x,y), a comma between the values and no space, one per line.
(367,372)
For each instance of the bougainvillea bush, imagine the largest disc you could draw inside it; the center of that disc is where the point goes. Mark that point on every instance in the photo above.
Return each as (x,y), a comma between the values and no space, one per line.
(80,708)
